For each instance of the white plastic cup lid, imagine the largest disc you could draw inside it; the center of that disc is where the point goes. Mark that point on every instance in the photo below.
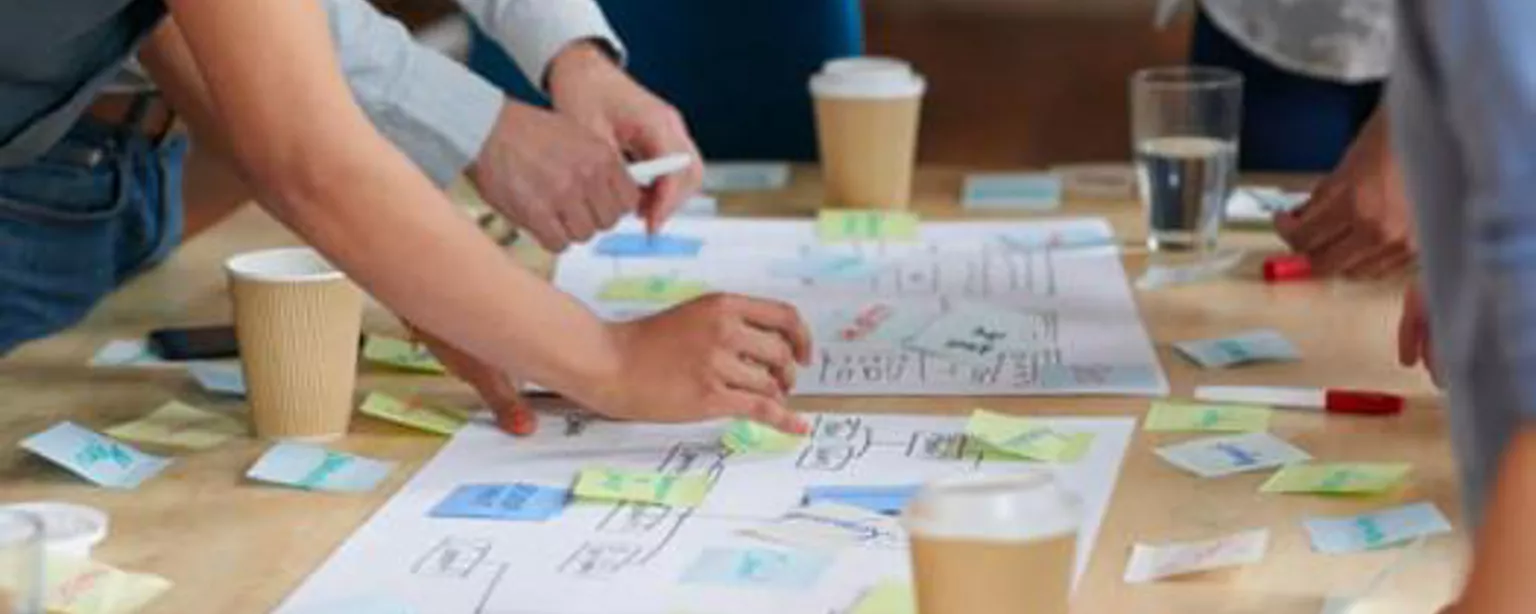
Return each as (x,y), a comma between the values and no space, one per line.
(867,77)
(1027,506)
(67,528)
(283,265)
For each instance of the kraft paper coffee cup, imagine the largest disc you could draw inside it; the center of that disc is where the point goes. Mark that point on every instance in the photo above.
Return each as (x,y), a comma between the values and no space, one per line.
(867,112)
(993,544)
(298,320)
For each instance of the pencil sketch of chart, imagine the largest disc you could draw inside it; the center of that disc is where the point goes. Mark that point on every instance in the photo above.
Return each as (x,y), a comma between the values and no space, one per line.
(598,558)
(1086,319)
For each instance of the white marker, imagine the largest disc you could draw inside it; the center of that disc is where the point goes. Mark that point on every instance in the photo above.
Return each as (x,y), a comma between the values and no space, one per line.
(1323,399)
(647,172)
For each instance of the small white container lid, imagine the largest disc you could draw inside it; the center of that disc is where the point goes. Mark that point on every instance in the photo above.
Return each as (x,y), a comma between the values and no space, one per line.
(867,77)
(283,265)
(68,529)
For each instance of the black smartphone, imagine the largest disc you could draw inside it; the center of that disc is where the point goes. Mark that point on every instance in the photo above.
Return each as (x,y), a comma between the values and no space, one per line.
(200,343)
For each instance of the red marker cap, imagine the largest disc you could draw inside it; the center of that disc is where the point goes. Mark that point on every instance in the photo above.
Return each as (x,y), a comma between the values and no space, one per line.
(1360,402)
(1287,267)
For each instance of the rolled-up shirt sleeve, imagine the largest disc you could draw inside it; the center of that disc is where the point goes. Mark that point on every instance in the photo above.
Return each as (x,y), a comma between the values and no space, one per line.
(534,31)
(1486,57)
(432,108)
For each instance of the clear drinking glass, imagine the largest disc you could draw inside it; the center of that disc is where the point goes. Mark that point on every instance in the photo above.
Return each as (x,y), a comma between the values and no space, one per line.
(21,563)
(1184,128)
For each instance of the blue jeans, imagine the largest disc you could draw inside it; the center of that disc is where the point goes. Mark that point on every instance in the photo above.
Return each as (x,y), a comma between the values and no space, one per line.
(1291,122)
(101,206)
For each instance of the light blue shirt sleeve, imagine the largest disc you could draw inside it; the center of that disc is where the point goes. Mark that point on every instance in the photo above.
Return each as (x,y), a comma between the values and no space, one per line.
(1482,55)
(431,107)
(534,31)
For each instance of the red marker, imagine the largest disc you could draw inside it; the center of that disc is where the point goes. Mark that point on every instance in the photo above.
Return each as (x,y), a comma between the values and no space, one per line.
(1287,267)
(1327,400)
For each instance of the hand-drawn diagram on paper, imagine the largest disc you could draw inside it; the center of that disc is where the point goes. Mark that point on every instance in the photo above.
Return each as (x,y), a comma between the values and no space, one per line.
(606,558)
(865,300)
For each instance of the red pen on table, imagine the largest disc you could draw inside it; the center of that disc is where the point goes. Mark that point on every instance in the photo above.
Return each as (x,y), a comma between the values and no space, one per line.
(1328,400)
(1287,267)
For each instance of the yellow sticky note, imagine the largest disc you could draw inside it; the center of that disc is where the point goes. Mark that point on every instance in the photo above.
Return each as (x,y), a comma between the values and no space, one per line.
(181,425)
(651,289)
(1027,438)
(401,354)
(1172,416)
(81,586)
(641,487)
(440,420)
(1337,478)
(746,437)
(848,225)
(888,597)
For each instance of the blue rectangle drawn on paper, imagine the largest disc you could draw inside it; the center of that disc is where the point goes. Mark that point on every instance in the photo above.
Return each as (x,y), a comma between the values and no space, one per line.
(225,379)
(878,499)
(503,502)
(102,460)
(639,245)
(1025,191)
(1373,530)
(757,568)
(312,467)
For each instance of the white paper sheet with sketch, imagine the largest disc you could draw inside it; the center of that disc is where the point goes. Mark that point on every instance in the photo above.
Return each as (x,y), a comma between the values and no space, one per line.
(642,559)
(1075,300)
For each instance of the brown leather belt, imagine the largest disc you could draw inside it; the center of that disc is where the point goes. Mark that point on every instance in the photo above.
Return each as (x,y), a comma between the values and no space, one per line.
(144,113)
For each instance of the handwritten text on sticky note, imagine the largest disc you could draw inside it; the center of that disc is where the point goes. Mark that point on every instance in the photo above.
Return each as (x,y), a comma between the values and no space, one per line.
(1154,562)
(82,586)
(414,414)
(1378,529)
(1338,478)
(401,354)
(641,487)
(757,568)
(95,457)
(651,289)
(1213,457)
(1025,437)
(503,502)
(1244,348)
(850,225)
(315,468)
(748,437)
(181,425)
(1174,416)
(639,245)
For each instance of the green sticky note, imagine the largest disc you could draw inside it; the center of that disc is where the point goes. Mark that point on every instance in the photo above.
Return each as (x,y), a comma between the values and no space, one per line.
(747,437)
(603,484)
(417,415)
(1337,478)
(848,225)
(182,425)
(651,289)
(1022,437)
(1174,416)
(888,597)
(401,354)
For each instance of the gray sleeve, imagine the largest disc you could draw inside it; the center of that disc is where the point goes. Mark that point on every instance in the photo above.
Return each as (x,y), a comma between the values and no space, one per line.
(1483,64)
(432,108)
(534,31)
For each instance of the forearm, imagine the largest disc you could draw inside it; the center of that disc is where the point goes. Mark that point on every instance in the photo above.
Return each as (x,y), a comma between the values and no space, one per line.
(1505,546)
(319,167)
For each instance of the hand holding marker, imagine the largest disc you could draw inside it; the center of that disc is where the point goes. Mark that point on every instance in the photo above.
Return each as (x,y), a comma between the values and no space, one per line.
(647,172)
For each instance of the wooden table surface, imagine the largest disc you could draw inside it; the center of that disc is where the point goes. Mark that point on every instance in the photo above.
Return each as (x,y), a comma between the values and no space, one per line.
(233,547)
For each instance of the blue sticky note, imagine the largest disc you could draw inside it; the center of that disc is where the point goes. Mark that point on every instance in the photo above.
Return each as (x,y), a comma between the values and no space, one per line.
(639,245)
(217,378)
(503,502)
(757,568)
(878,499)
(1378,529)
(102,460)
(841,267)
(312,467)
(1023,191)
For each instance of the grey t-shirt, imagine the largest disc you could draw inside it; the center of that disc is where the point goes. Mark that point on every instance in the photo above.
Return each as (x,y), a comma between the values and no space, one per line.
(55,55)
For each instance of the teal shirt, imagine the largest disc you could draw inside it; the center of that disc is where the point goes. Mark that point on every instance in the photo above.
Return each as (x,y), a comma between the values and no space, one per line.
(55,55)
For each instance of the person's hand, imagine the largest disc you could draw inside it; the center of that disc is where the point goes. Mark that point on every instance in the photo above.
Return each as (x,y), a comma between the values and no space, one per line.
(1413,340)
(586,85)
(552,177)
(718,355)
(1358,221)
(496,388)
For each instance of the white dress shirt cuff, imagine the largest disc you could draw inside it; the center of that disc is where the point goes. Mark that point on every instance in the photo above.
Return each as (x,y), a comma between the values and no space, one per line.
(535,31)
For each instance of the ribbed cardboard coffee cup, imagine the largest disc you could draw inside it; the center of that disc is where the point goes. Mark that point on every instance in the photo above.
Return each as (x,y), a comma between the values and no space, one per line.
(298,320)
(867,112)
